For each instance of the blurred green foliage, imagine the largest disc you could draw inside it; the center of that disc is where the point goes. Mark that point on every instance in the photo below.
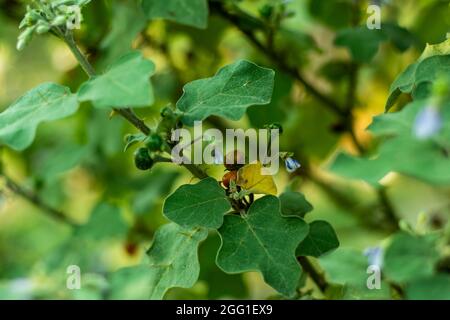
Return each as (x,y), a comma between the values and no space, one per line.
(79,166)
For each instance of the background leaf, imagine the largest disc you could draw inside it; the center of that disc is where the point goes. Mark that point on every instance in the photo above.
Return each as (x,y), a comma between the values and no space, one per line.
(47,102)
(125,84)
(189,12)
(410,257)
(172,262)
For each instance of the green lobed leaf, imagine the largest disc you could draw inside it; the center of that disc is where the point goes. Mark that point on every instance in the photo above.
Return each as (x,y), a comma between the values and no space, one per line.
(47,102)
(434,61)
(125,84)
(189,12)
(321,239)
(264,241)
(410,257)
(172,262)
(227,94)
(199,205)
(294,204)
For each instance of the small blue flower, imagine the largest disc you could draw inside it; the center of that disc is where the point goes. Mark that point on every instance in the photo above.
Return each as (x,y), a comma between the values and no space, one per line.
(428,123)
(374,256)
(291,164)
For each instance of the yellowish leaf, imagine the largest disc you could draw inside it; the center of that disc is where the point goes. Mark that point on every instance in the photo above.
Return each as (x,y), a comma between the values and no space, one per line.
(251,179)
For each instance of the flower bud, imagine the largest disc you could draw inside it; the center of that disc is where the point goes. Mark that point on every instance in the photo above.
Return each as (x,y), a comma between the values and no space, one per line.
(291,164)
(42,28)
(59,20)
(21,44)
(25,38)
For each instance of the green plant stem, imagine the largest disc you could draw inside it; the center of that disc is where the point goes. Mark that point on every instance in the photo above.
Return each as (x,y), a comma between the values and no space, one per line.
(38,202)
(126,113)
(315,274)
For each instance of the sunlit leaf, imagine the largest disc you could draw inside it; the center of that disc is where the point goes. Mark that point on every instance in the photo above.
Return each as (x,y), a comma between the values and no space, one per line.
(228,94)
(47,102)
(125,84)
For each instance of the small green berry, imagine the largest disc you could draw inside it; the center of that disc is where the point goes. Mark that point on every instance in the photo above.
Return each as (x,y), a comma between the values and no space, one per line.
(142,159)
(154,142)
(266,11)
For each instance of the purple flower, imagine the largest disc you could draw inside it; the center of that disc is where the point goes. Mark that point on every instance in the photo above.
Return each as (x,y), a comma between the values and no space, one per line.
(428,123)
(374,256)
(291,164)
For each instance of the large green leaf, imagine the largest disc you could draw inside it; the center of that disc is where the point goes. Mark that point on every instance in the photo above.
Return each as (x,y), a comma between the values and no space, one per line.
(320,240)
(228,94)
(125,84)
(264,241)
(189,12)
(410,257)
(199,205)
(47,102)
(434,61)
(172,262)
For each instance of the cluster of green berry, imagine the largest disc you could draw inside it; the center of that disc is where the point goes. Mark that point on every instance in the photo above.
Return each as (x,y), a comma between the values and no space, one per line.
(157,142)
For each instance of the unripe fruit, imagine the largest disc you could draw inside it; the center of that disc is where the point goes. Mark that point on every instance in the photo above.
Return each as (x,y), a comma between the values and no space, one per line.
(154,142)
(142,159)
(228,177)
